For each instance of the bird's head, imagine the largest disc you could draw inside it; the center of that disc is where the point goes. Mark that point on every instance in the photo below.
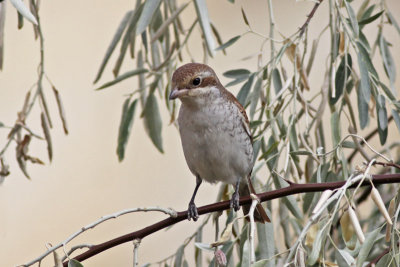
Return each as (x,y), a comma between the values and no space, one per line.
(193,80)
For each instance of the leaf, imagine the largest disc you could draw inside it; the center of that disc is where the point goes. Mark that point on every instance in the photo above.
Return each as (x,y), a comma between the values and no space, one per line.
(335,127)
(128,112)
(113,44)
(74,263)
(362,108)
(382,119)
(149,8)
(57,260)
(371,19)
(281,52)
(388,62)
(179,256)
(365,83)
(152,121)
(161,30)
(316,248)
(205,24)
(392,20)
(47,135)
(341,77)
(245,18)
(276,79)
(255,96)
(122,77)
(266,240)
(386,261)
(245,261)
(353,19)
(366,247)
(61,110)
(396,118)
(229,43)
(24,11)
(244,91)
(344,258)
(237,73)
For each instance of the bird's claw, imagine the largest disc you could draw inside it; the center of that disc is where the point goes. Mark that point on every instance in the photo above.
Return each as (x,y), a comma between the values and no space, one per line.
(235,202)
(192,212)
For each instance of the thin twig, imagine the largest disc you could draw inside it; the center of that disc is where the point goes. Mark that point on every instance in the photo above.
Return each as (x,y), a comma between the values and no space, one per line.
(172,213)
(309,17)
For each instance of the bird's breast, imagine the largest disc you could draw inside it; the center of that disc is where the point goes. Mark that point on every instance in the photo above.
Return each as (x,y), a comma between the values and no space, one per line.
(215,143)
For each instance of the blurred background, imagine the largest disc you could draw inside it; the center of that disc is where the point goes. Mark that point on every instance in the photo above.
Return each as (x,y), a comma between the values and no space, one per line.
(85,180)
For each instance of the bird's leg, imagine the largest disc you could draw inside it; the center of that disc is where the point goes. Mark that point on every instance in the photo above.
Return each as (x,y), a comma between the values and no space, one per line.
(235,197)
(192,209)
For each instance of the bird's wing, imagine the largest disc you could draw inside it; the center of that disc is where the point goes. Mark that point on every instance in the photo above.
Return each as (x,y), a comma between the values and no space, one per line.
(244,118)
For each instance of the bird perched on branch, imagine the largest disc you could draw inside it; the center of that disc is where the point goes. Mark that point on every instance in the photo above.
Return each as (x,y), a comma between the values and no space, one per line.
(215,134)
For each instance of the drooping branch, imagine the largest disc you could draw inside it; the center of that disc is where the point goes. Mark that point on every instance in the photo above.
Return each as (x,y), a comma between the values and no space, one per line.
(292,189)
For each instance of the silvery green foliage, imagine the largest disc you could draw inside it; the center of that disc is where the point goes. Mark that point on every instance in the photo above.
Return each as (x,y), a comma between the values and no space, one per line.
(288,119)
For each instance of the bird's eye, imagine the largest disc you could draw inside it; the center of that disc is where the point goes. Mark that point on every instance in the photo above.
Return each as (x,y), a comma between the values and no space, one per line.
(196,81)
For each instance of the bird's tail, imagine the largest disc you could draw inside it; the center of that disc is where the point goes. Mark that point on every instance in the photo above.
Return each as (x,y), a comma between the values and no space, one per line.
(259,213)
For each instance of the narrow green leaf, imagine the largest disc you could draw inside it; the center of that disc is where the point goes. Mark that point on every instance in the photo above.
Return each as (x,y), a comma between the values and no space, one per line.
(366,58)
(319,239)
(228,43)
(281,52)
(125,127)
(365,82)
(122,77)
(74,263)
(382,118)
(396,118)
(300,153)
(149,8)
(276,79)
(236,73)
(362,10)
(341,77)
(179,256)
(113,44)
(245,261)
(353,19)
(1,124)
(362,108)
(245,18)
(24,10)
(205,24)
(162,28)
(335,127)
(388,92)
(370,239)
(244,91)
(392,20)
(266,243)
(344,258)
(386,261)
(152,121)
(255,96)
(370,19)
(388,61)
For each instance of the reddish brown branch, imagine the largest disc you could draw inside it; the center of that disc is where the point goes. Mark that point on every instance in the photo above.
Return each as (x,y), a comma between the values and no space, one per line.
(224,205)
(309,17)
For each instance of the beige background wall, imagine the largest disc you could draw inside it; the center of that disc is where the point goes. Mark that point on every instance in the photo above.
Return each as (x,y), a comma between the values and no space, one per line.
(85,180)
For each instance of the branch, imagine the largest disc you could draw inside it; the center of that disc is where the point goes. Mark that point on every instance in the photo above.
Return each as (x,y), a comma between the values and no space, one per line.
(309,17)
(292,189)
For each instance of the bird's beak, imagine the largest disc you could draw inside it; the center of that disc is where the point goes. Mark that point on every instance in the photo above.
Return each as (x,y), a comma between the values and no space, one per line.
(177,93)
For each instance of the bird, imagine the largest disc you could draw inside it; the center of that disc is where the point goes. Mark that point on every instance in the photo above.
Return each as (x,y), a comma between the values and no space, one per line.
(215,134)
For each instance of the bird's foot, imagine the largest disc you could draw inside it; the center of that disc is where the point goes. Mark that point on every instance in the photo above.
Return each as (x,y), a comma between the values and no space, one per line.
(235,201)
(192,212)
